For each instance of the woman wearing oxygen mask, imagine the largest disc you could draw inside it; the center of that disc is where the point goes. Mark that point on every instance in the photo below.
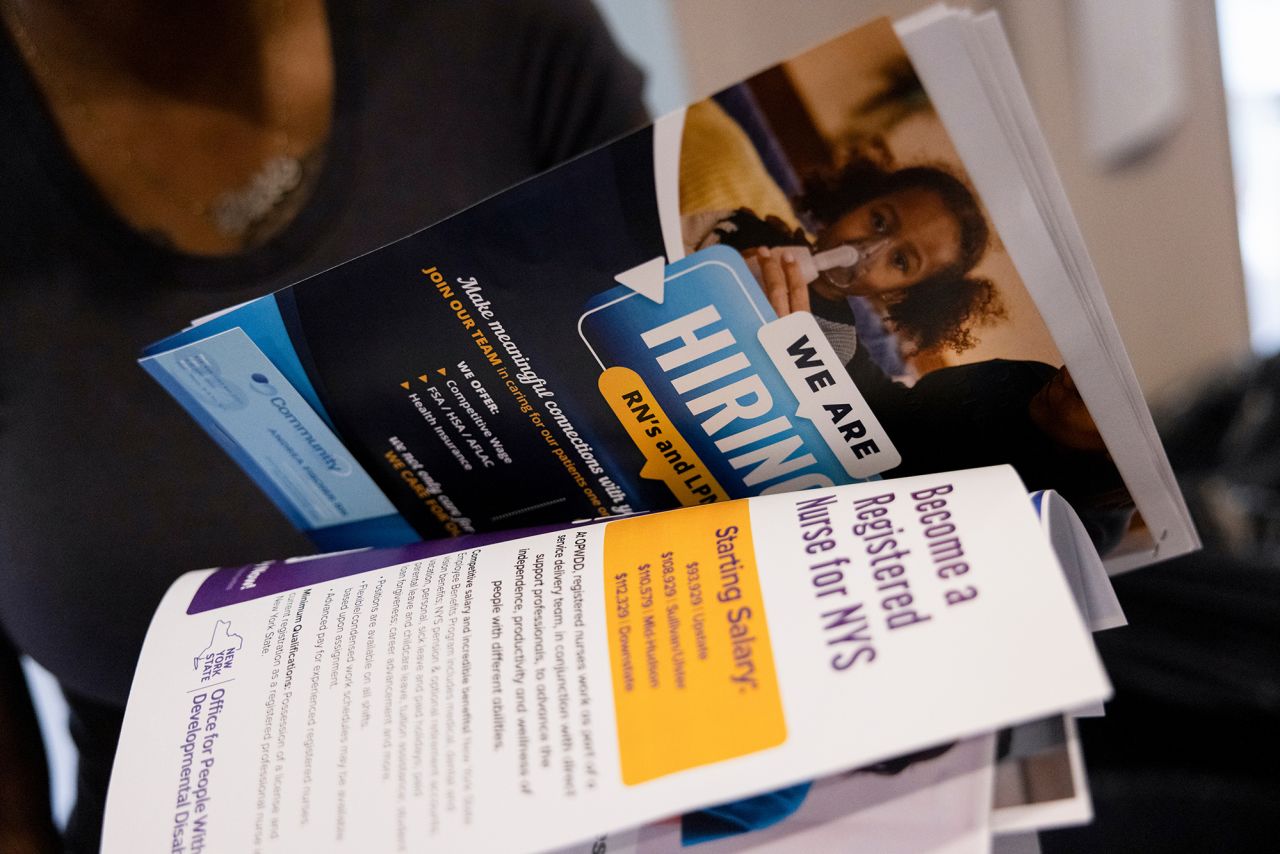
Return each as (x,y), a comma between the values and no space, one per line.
(904,240)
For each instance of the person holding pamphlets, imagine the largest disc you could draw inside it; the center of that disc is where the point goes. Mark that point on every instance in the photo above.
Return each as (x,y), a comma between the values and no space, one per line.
(843,400)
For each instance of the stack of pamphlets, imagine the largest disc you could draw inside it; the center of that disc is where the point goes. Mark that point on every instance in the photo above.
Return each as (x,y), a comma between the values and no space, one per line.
(848,290)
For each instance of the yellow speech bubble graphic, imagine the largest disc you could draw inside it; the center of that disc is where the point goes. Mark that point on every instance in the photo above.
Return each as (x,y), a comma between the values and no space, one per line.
(668,455)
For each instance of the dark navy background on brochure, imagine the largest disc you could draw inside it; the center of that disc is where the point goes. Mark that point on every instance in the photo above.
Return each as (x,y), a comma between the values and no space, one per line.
(540,251)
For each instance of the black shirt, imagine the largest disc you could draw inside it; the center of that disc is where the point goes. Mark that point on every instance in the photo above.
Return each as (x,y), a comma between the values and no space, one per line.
(109,490)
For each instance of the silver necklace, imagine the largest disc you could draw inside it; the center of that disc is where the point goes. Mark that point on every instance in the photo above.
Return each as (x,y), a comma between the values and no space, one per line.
(236,211)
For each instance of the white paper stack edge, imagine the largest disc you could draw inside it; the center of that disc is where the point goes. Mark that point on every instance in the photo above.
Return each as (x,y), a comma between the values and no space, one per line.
(957,54)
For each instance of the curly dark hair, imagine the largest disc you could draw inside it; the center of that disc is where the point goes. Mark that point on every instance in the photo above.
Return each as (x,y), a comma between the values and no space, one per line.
(936,312)
(940,311)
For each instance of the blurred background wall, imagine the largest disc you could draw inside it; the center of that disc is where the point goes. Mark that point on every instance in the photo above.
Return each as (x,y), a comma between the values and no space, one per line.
(1160,223)
(1162,228)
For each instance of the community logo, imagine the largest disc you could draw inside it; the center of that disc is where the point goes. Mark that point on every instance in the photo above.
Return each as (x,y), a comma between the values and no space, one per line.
(262,385)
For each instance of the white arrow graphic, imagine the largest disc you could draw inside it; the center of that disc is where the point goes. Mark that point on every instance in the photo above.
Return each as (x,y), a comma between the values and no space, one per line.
(646,279)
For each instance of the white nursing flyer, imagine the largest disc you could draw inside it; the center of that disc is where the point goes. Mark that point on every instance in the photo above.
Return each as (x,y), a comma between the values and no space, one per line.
(533,689)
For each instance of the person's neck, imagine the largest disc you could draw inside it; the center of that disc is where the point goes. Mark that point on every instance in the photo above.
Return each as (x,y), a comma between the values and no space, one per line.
(218,56)
(170,107)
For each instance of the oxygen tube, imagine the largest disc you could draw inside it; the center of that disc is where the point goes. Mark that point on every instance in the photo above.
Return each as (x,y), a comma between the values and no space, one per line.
(840,263)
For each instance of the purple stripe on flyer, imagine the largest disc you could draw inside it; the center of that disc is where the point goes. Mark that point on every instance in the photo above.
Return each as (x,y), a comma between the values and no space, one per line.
(234,584)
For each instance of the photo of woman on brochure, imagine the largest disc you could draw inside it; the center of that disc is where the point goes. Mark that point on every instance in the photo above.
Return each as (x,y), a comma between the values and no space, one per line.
(834,178)
(916,233)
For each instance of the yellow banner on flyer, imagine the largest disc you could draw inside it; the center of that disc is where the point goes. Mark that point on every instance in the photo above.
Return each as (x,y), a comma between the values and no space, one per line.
(693,672)
(668,457)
